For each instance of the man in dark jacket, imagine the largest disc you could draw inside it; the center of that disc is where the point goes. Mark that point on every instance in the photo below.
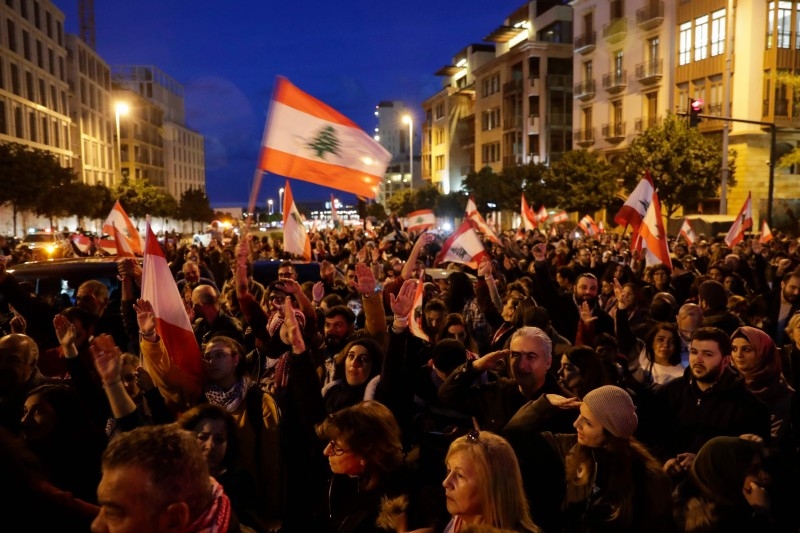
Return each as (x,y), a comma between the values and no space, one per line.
(710,400)
(713,300)
(782,302)
(494,403)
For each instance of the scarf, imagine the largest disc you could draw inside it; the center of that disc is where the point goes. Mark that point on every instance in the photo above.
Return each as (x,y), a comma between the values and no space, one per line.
(768,371)
(229,399)
(217,516)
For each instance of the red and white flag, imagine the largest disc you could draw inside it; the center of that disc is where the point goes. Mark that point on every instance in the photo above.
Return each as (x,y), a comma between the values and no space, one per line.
(295,237)
(82,242)
(766,233)
(464,246)
(172,322)
(420,220)
(687,232)
(519,234)
(308,140)
(123,245)
(635,207)
(415,317)
(370,230)
(743,222)
(653,236)
(527,214)
(560,217)
(542,215)
(479,223)
(120,218)
(588,226)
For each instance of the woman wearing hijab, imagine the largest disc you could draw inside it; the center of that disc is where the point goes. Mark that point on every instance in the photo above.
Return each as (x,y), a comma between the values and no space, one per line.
(756,358)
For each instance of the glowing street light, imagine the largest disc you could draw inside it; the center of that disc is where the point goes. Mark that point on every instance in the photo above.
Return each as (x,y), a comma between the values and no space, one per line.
(120,108)
(269,204)
(280,200)
(408,120)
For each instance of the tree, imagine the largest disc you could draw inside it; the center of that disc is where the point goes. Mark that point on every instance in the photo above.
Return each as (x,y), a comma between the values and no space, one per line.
(484,187)
(88,201)
(194,206)
(401,203)
(376,210)
(139,198)
(531,178)
(426,197)
(581,181)
(684,164)
(452,205)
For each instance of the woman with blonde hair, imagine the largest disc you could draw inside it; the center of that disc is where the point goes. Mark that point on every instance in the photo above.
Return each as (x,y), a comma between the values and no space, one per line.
(484,485)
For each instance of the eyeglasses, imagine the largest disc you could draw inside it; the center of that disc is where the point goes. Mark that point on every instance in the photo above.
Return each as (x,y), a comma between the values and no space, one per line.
(285,274)
(336,450)
(215,355)
(129,378)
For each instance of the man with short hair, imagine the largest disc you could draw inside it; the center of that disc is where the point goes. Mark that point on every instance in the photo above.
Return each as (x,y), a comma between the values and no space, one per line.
(689,318)
(92,295)
(210,321)
(709,400)
(286,270)
(192,278)
(494,403)
(155,478)
(782,303)
(19,373)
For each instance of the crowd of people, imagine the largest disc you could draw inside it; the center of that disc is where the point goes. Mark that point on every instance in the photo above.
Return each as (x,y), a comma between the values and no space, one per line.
(349,405)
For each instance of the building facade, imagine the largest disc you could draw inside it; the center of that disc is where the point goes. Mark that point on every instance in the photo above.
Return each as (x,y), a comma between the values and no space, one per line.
(141,139)
(394,134)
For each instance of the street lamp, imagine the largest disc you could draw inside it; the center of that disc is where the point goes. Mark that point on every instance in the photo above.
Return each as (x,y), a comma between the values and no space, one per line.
(120,108)
(408,120)
(269,203)
(280,200)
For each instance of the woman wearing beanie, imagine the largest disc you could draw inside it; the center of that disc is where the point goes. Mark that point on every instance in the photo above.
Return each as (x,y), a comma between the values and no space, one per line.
(756,358)
(608,480)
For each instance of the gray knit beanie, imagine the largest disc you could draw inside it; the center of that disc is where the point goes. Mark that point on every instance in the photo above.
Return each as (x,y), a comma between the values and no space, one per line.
(614,408)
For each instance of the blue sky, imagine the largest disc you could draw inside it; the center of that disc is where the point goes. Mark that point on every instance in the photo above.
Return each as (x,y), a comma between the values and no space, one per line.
(351,54)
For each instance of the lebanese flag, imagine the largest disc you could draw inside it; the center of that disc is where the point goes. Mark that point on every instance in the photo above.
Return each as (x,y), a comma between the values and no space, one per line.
(308,140)
(108,246)
(82,242)
(479,222)
(295,237)
(560,217)
(633,211)
(415,317)
(123,245)
(420,220)
(370,230)
(172,322)
(464,246)
(743,222)
(120,218)
(519,235)
(766,233)
(652,234)
(588,226)
(528,216)
(542,215)
(687,232)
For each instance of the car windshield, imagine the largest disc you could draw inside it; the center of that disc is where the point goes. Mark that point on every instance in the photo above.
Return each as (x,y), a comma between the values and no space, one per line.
(39,237)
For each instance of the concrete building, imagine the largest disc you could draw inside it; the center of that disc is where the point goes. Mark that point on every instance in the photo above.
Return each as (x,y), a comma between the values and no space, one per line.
(34,106)
(141,139)
(92,114)
(184,162)
(394,135)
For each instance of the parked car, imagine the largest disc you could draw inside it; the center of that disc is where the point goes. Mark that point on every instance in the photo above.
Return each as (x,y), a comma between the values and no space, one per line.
(46,245)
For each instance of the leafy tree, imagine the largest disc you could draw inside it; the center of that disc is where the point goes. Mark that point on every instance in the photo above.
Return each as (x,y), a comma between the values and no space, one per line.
(139,198)
(194,206)
(401,203)
(452,205)
(426,197)
(484,187)
(88,201)
(684,164)
(376,210)
(582,181)
(533,179)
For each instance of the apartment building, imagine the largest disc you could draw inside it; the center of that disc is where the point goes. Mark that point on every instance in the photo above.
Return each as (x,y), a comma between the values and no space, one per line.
(91,112)
(34,107)
(397,135)
(141,139)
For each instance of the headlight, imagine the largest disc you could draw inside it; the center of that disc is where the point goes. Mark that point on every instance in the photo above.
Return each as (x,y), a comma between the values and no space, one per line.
(50,249)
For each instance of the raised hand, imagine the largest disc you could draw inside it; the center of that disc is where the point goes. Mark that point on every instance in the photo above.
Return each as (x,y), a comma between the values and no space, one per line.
(145,316)
(107,358)
(294,334)
(318,291)
(485,268)
(586,313)
(65,331)
(326,270)
(403,303)
(562,402)
(18,324)
(366,282)
(622,301)
(144,379)
(490,360)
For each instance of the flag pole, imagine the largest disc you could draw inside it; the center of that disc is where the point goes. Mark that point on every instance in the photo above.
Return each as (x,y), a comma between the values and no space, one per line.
(251,205)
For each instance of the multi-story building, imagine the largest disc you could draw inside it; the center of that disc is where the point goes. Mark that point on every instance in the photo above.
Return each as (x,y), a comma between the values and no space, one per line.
(185,154)
(506,103)
(394,134)
(141,139)
(91,111)
(34,107)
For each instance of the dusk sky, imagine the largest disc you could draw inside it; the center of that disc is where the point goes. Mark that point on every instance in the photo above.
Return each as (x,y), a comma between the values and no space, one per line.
(351,54)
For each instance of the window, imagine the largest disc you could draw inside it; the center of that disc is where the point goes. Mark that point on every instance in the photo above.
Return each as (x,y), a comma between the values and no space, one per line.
(616,112)
(39,54)
(26,45)
(685,44)
(32,123)
(15,87)
(618,64)
(490,153)
(784,24)
(29,89)
(37,19)
(587,118)
(51,62)
(12,36)
(438,163)
(490,119)
(587,70)
(701,38)
(23,8)
(439,111)
(19,130)
(653,52)
(3,122)
(717,32)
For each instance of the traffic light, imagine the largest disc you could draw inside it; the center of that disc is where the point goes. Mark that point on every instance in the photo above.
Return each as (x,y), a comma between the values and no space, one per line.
(695,109)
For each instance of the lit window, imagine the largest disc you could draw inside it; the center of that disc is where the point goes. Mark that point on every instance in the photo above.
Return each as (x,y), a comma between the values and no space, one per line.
(685,51)
(701,38)
(717,32)
(784,24)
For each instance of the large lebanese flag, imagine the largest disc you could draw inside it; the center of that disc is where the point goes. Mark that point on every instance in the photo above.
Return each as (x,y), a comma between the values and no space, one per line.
(743,222)
(421,220)
(295,237)
(633,211)
(527,214)
(480,223)
(415,317)
(653,237)
(464,246)
(172,322)
(118,217)
(308,140)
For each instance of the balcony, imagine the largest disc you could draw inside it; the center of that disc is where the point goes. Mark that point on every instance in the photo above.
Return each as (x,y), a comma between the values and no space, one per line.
(616,30)
(643,124)
(583,138)
(651,16)
(556,82)
(615,82)
(512,161)
(614,133)
(511,87)
(586,43)
(650,72)
(512,123)
(585,90)
(534,123)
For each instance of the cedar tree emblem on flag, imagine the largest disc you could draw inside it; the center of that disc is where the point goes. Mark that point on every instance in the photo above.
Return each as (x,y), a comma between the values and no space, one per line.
(326,141)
